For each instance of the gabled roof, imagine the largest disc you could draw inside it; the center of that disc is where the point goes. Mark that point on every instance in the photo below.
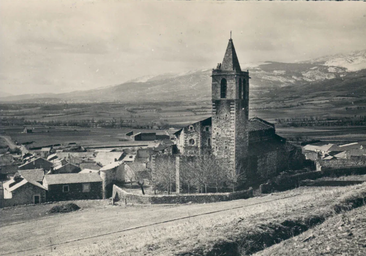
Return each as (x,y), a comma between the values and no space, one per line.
(230,62)
(33,160)
(32,174)
(69,178)
(23,182)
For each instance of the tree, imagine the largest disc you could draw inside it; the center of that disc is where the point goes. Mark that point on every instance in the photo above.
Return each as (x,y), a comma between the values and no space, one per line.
(164,173)
(204,171)
(137,172)
(235,177)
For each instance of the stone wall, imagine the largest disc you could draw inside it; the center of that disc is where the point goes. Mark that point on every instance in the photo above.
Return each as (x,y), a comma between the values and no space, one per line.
(286,181)
(129,198)
(341,163)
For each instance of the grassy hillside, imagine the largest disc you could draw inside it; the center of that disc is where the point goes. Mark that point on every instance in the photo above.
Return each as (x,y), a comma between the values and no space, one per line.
(340,235)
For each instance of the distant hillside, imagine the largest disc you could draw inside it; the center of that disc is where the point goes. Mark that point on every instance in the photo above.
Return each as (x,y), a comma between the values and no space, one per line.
(326,73)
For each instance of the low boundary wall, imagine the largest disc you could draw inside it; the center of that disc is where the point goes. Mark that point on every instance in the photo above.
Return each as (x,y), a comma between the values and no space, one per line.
(285,182)
(120,195)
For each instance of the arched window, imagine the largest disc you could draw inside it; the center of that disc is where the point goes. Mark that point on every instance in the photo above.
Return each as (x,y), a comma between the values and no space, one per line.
(191,142)
(223,88)
(244,83)
(191,128)
(240,88)
(209,142)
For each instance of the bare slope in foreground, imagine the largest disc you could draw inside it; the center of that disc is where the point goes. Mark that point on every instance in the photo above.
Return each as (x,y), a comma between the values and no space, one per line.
(340,235)
(161,230)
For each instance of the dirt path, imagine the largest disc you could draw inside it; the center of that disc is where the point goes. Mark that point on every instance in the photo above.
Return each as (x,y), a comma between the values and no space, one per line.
(43,234)
(89,231)
(8,141)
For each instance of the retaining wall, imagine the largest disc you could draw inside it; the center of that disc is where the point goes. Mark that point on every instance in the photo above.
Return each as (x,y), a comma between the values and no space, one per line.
(123,196)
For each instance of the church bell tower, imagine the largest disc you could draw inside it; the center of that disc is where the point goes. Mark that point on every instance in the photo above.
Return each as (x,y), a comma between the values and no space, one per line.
(230,110)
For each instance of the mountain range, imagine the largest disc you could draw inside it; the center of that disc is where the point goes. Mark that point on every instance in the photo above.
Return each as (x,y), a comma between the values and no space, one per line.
(336,73)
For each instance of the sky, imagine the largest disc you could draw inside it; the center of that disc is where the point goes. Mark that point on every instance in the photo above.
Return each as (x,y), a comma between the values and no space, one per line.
(62,46)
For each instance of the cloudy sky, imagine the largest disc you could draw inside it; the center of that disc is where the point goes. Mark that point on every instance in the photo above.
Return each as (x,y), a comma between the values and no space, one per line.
(61,46)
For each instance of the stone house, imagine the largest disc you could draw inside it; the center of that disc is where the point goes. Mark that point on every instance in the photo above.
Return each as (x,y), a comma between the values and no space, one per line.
(73,186)
(20,190)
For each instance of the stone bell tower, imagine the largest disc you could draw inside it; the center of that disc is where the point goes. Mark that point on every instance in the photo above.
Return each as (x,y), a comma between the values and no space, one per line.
(230,110)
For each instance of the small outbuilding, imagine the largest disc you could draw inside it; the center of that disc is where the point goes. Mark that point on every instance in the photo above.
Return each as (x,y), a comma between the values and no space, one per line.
(144,136)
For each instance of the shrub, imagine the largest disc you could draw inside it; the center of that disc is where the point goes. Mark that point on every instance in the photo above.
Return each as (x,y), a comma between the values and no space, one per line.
(70,207)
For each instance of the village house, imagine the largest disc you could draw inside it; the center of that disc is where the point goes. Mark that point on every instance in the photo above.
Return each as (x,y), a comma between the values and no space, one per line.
(73,186)
(8,165)
(20,190)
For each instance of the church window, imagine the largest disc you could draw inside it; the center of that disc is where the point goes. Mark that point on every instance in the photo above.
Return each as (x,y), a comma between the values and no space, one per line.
(240,88)
(244,89)
(207,128)
(209,142)
(191,142)
(223,88)
(191,128)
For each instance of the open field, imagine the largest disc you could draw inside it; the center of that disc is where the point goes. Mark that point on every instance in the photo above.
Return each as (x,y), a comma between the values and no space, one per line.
(115,137)
(164,230)
(340,235)
(334,134)
(60,135)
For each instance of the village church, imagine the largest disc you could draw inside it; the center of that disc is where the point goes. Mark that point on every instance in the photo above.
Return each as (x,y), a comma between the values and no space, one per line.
(244,146)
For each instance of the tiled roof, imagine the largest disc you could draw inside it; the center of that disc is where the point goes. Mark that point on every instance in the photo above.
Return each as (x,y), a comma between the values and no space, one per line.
(111,166)
(89,171)
(33,160)
(68,178)
(106,158)
(257,124)
(23,182)
(32,174)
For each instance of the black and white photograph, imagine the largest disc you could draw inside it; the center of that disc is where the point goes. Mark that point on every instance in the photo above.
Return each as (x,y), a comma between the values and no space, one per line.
(185,128)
